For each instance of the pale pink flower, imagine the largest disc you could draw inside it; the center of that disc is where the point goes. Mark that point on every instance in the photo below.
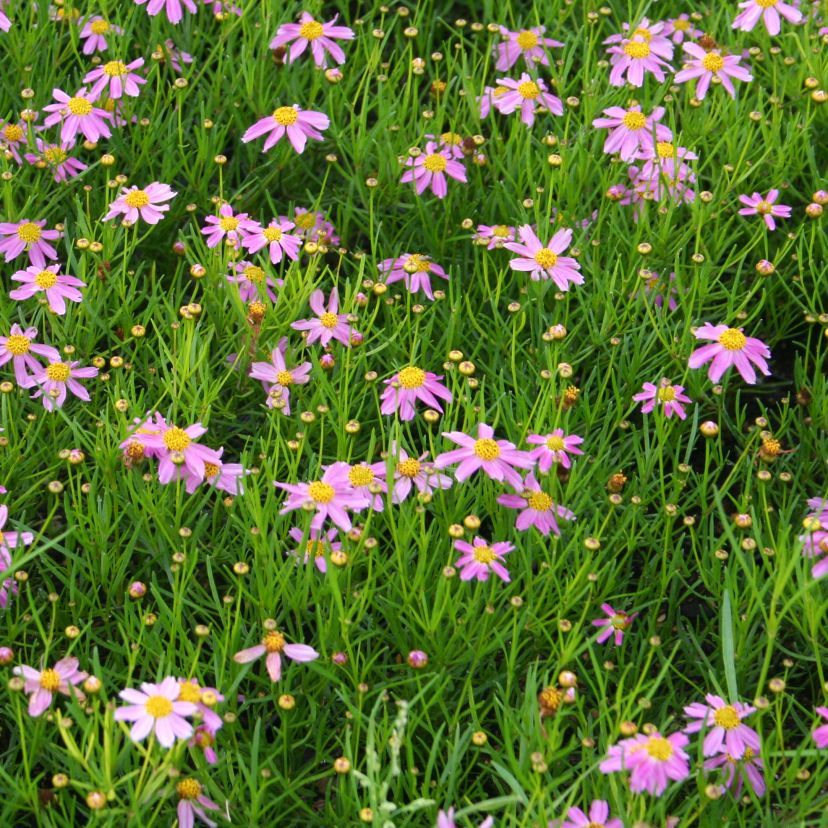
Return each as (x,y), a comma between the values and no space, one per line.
(553,448)
(43,684)
(232,227)
(313,226)
(536,508)
(631,130)
(815,541)
(189,690)
(770,12)
(528,96)
(9,541)
(147,203)
(614,625)
(530,44)
(722,723)
(410,385)
(253,281)
(668,397)
(278,379)
(488,99)
(414,270)
(820,734)
(57,286)
(173,9)
(764,206)
(328,324)
(653,286)
(313,544)
(545,262)
(708,65)
(666,170)
(598,817)
(156,708)
(445,819)
(653,761)
(653,33)
(226,477)
(494,235)
(5,23)
(735,771)
(411,473)
(94,33)
(178,452)
(14,137)
(298,124)
(275,237)
(29,236)
(272,646)
(59,377)
(369,480)
(430,168)
(681,27)
(78,114)
(193,803)
(637,56)
(321,37)
(116,78)
(479,559)
(175,56)
(19,347)
(56,157)
(204,738)
(730,347)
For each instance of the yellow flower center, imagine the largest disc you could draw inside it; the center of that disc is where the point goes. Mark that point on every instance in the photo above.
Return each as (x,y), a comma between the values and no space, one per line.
(550,698)
(321,492)
(274,642)
(228,223)
(681,25)
(636,49)
(665,149)
(771,446)
(211,470)
(451,138)
(136,198)
(188,789)
(28,232)
(409,467)
(620,621)
(417,264)
(254,274)
(659,748)
(99,27)
(727,717)
(50,680)
(176,439)
(713,62)
(666,393)
(555,443)
(546,258)
(58,372)
(361,475)
(539,501)
(284,378)
(486,449)
(13,132)
(315,549)
(310,30)
(135,450)
(328,320)
(484,554)
(434,163)
(764,208)
(634,120)
(528,90)
(79,106)
(286,116)
(766,4)
(272,234)
(189,691)
(501,231)
(54,155)
(304,220)
(733,340)
(412,377)
(159,707)
(527,40)
(46,279)
(115,68)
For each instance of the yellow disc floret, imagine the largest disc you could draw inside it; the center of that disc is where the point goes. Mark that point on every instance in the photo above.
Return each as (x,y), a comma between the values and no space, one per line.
(634,120)
(636,49)
(732,340)
(46,279)
(311,30)
(115,68)
(546,258)
(274,642)
(659,748)
(321,492)
(484,554)
(411,377)
(434,163)
(28,232)
(486,449)
(188,789)
(361,475)
(727,717)
(539,502)
(58,372)
(286,116)
(409,467)
(79,106)
(176,439)
(527,40)
(713,62)
(158,706)
(328,320)
(50,680)
(136,198)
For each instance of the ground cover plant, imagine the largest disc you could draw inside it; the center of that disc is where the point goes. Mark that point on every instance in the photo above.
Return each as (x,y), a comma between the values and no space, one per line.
(413,415)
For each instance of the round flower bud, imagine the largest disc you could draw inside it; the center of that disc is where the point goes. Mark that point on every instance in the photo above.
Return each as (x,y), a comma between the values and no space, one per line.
(709,429)
(417,659)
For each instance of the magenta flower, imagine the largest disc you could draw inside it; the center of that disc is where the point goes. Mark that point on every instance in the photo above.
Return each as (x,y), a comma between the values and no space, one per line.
(635,57)
(554,448)
(314,544)
(178,453)
(275,237)
(765,206)
(156,708)
(445,819)
(599,815)
(226,477)
(5,23)
(769,12)
(94,33)
(530,44)
(413,473)
(735,771)
(536,508)
(297,124)
(615,624)
(652,760)
(631,130)
(429,169)
(56,157)
(668,397)
(723,725)
(545,262)
(479,559)
(18,348)
(820,734)
(730,347)
(494,236)
(147,203)
(192,802)
(31,237)
(277,378)
(233,228)
(176,57)
(815,542)
(679,28)
(14,137)
(254,283)
(369,480)
(43,684)
(116,78)
(273,645)
(527,95)
(57,287)
(56,378)
(328,324)
(9,541)
(708,65)
(409,385)
(414,270)
(321,37)
(652,33)
(173,9)
(78,114)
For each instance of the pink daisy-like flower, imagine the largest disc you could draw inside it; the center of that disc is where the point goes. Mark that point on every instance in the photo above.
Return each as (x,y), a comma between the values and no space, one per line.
(134,447)
(226,477)
(530,44)
(554,448)
(56,158)
(730,347)
(176,57)
(536,508)
(189,690)
(328,324)
(723,725)
(637,56)
(232,227)
(204,738)
(156,708)
(277,378)
(652,33)
(313,544)
(116,78)
(272,646)
(94,32)
(19,347)
(410,473)
(598,817)
(528,96)
(545,262)
(764,206)
(56,378)
(321,37)
(820,734)
(5,23)
(708,65)
(9,541)
(31,237)
(668,397)
(815,542)
(488,99)
(653,761)
(369,479)
(679,28)
(494,236)
(297,124)
(178,453)
(313,227)
(43,684)
(735,771)
(409,385)
(653,286)
(430,168)
(275,237)
(414,270)
(78,114)
(770,12)
(147,203)
(479,559)
(173,9)
(57,287)
(14,137)
(253,281)
(445,819)
(192,804)
(615,624)
(631,130)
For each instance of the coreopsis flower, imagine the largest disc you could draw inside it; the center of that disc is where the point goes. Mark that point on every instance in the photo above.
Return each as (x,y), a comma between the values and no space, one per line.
(530,44)
(253,281)
(190,690)
(430,169)
(668,397)
(666,171)
(277,378)
(554,448)
(488,98)
(735,771)
(146,203)
(176,57)
(679,28)
(275,237)
(5,23)
(313,544)
(494,235)
(116,79)
(272,646)
(76,114)
(764,206)
(820,734)
(369,479)
(178,453)
(631,130)
(9,541)
(298,124)
(706,65)
(536,508)
(723,725)
(56,286)
(770,12)
(328,324)
(545,261)
(410,385)
(19,347)
(635,57)
(480,558)
(614,625)
(450,142)
(528,96)
(653,761)
(204,738)
(652,33)
(232,227)
(815,542)
(321,37)
(313,226)
(729,348)
(42,685)
(93,34)
(173,9)
(134,447)
(445,819)
(14,137)
(28,236)
(56,157)
(59,377)
(411,473)
(662,293)
(157,709)
(598,816)
(226,477)
(192,802)
(414,270)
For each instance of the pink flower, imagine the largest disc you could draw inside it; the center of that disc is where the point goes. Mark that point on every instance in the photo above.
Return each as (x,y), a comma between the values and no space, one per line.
(545,262)
(233,228)
(297,124)
(749,767)
(43,684)
(57,287)
(147,203)
(631,130)
(191,801)
(652,33)
(599,815)
(723,725)
(429,169)
(14,136)
(445,819)
(708,65)
(175,56)
(414,270)
(411,473)
(5,23)
(178,453)
(678,28)
(554,448)
(94,33)
(314,544)
(320,37)
(527,95)
(225,477)
(189,690)
(669,397)
(56,157)
(495,235)
(730,347)
(815,542)
(527,43)
(171,8)
(615,624)
(204,738)
(31,237)
(653,760)
(369,480)
(765,206)
(156,709)
(78,114)
(328,324)
(9,541)
(116,78)
(536,508)
(820,734)
(479,559)
(18,348)
(277,378)
(254,283)
(409,385)
(768,11)
(668,292)
(56,378)
(275,237)
(273,645)
(637,56)
(313,227)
